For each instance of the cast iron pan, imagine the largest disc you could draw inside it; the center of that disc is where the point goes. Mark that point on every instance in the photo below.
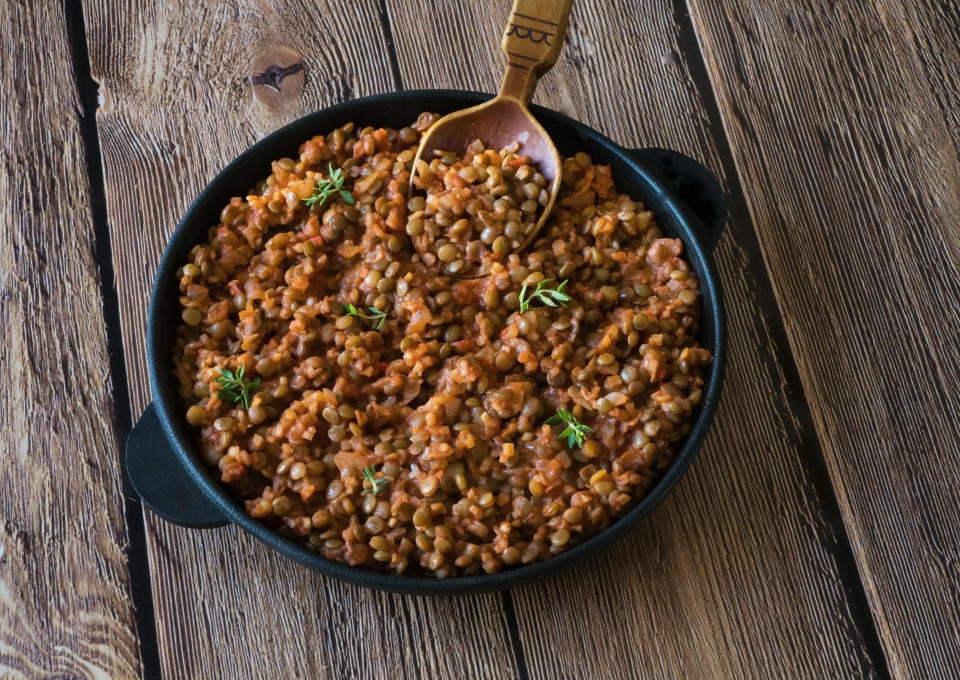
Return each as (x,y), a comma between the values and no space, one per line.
(161,456)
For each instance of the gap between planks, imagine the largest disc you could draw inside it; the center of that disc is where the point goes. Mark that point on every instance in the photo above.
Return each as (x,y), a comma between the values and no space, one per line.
(136,551)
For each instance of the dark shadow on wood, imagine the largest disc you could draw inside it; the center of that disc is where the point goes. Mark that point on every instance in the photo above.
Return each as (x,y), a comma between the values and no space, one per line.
(391,45)
(136,550)
(513,629)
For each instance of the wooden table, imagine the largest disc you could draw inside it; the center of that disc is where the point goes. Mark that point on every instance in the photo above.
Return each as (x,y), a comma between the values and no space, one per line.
(818,533)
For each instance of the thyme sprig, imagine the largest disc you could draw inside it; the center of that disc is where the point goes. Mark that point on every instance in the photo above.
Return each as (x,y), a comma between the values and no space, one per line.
(326,188)
(234,388)
(554,297)
(375,316)
(575,431)
(377,484)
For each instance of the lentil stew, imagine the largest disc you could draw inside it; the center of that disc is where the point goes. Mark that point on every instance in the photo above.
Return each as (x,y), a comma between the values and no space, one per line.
(393,418)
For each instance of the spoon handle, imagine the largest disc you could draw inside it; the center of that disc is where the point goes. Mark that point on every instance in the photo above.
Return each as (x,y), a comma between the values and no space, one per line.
(532,42)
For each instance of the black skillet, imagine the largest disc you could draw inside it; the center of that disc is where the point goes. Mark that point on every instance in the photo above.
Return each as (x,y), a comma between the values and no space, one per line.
(162,459)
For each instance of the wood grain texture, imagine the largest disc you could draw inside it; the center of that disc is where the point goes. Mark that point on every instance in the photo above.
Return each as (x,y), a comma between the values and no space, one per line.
(737,574)
(843,119)
(65,603)
(177,106)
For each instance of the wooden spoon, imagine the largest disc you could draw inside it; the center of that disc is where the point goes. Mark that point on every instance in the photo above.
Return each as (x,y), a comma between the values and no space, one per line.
(531,42)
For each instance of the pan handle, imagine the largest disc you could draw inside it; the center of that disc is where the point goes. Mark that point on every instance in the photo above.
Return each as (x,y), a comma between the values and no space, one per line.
(160,479)
(692,183)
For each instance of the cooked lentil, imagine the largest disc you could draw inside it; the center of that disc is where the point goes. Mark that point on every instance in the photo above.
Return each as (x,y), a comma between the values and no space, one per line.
(478,208)
(422,446)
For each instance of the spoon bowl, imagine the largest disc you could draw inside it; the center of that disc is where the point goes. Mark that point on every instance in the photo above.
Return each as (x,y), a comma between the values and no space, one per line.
(531,42)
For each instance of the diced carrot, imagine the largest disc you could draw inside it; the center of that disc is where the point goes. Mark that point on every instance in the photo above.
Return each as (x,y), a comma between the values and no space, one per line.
(382,138)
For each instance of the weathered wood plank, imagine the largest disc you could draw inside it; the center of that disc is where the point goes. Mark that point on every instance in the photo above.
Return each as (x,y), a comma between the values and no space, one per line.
(844,125)
(739,573)
(177,107)
(65,603)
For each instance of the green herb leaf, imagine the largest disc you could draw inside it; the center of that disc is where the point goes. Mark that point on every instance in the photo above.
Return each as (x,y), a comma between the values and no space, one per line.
(377,484)
(234,388)
(544,294)
(375,316)
(326,188)
(575,432)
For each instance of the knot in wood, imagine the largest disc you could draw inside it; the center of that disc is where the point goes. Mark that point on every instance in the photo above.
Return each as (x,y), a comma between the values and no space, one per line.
(277,75)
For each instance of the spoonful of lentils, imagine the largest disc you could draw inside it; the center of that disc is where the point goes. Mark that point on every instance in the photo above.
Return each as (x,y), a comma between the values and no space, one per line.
(485,178)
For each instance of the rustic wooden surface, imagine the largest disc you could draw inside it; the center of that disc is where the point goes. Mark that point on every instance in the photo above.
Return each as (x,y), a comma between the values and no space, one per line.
(859,217)
(815,536)
(177,108)
(720,577)
(65,602)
